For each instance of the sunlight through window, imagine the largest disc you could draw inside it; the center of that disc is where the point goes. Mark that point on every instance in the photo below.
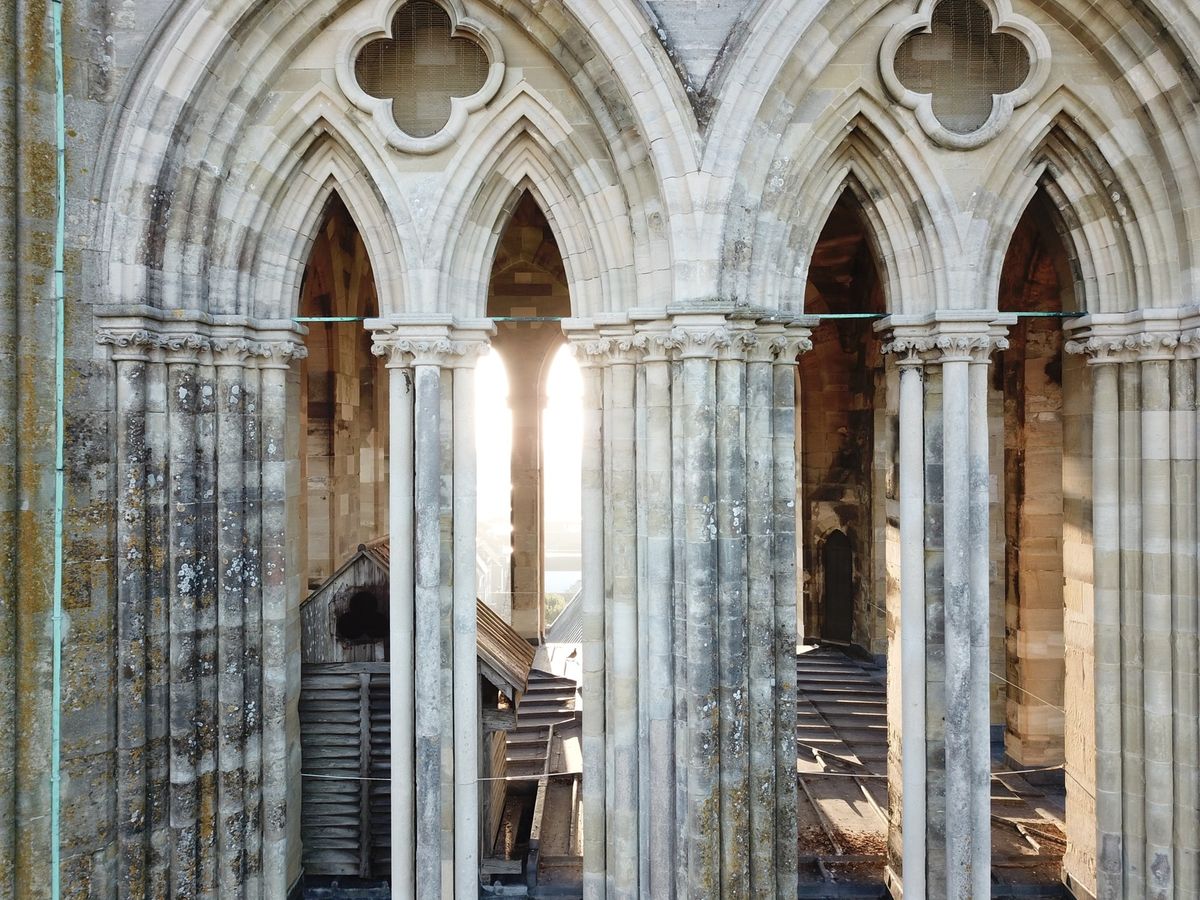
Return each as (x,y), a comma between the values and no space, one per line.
(493,427)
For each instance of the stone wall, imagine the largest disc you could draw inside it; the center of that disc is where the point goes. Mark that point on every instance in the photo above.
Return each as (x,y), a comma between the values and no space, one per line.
(205,139)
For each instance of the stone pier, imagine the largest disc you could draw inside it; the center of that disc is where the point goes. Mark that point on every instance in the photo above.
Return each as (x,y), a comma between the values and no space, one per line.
(689,593)
(1143,752)
(944,767)
(435,765)
(207,791)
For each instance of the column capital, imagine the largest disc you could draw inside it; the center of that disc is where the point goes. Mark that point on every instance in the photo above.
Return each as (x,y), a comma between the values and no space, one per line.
(661,344)
(280,354)
(191,337)
(442,342)
(690,335)
(611,349)
(128,345)
(1142,336)
(238,351)
(945,336)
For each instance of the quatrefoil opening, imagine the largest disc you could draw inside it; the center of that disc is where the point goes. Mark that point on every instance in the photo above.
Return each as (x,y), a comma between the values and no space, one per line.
(964,66)
(423,75)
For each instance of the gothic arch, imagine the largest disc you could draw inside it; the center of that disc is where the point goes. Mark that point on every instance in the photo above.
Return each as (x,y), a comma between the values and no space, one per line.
(205,82)
(1148,136)
(528,147)
(288,232)
(894,187)
(1124,247)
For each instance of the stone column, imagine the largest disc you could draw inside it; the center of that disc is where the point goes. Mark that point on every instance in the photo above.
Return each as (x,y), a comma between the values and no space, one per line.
(400,619)
(205,812)
(621,561)
(785,349)
(1185,584)
(948,765)
(282,586)
(183,392)
(466,667)
(594,686)
(1144,433)
(130,356)
(435,797)
(700,341)
(908,802)
(693,649)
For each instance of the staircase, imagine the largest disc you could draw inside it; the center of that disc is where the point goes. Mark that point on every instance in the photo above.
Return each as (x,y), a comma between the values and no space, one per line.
(548,700)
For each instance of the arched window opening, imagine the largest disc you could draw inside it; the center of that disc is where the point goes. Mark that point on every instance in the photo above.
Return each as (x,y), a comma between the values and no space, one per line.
(494,531)
(343,406)
(839,418)
(845,500)
(562,424)
(342,550)
(532,451)
(1039,635)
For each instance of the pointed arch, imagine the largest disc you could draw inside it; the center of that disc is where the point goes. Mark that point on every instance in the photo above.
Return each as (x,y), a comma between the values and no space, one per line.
(528,147)
(205,84)
(1126,248)
(288,234)
(855,147)
(279,199)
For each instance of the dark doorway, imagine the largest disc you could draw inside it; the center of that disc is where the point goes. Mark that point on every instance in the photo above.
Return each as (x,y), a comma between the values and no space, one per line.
(837,568)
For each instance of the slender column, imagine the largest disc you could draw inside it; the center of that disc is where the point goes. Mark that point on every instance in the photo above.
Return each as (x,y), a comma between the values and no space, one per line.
(131,453)
(1158,659)
(158,668)
(960,819)
(679,413)
(1105,368)
(733,646)
(427,627)
(593,691)
(660,683)
(944,742)
(912,625)
(183,394)
(400,621)
(206,626)
(466,678)
(434,672)
(252,617)
(229,357)
(610,779)
(979,727)
(700,561)
(280,655)
(623,662)
(793,342)
(1186,703)
(1133,815)
(760,611)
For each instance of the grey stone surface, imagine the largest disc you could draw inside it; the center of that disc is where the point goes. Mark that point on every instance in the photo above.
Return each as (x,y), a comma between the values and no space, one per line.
(203,140)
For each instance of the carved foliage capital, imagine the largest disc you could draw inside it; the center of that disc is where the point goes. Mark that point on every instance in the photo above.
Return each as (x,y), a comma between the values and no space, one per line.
(1144,346)
(192,347)
(935,348)
(443,351)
